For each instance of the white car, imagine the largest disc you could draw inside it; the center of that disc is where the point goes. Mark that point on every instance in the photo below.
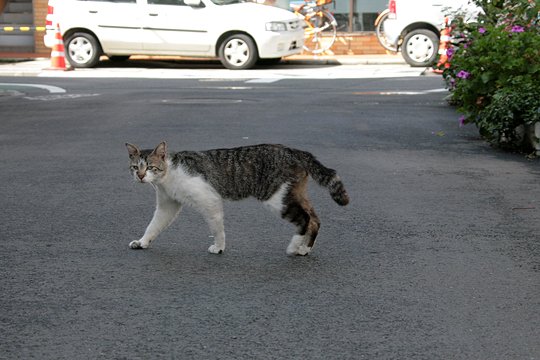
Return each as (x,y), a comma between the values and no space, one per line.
(238,33)
(414,26)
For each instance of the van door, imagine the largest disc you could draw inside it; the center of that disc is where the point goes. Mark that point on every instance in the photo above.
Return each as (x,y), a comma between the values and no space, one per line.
(172,27)
(117,24)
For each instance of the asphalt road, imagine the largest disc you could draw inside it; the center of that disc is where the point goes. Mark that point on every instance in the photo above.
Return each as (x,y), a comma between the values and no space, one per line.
(436,257)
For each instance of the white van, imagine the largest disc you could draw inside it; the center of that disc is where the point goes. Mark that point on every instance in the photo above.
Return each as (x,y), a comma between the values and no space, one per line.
(414,26)
(238,33)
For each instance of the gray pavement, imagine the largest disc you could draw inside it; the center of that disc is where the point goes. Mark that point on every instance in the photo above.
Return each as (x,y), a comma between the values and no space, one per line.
(436,257)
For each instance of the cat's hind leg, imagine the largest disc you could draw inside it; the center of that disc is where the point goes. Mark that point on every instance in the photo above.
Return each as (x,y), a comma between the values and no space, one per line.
(299,211)
(307,224)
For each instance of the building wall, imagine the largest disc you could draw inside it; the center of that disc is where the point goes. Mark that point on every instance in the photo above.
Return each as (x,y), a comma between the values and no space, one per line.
(364,43)
(40,12)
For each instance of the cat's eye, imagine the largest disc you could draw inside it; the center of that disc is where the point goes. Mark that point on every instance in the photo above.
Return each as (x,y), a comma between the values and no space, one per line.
(151,168)
(134,167)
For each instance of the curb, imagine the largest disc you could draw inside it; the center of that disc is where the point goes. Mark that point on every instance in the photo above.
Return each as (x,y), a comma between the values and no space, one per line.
(22,66)
(345,60)
(25,66)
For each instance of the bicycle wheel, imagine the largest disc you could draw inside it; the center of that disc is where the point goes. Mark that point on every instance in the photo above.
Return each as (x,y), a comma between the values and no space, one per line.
(381,35)
(320,33)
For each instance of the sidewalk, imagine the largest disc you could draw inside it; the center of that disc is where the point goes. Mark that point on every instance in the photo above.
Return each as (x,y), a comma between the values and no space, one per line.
(346,59)
(24,65)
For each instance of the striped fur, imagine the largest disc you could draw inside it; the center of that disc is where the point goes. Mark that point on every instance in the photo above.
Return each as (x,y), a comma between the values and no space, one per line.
(274,174)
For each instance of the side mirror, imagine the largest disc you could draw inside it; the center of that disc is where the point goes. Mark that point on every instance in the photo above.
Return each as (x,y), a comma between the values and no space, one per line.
(194,3)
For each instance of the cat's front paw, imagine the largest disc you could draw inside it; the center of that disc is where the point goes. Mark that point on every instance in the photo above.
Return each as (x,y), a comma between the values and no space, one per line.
(214,249)
(136,244)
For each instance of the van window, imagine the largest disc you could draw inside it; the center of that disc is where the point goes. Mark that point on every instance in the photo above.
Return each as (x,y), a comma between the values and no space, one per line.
(113,1)
(166,2)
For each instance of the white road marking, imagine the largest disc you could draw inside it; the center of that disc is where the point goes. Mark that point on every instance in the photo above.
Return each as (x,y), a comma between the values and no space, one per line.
(251,76)
(263,81)
(419,92)
(58,97)
(50,88)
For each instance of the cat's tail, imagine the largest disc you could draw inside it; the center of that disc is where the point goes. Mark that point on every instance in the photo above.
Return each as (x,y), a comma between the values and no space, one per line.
(325,177)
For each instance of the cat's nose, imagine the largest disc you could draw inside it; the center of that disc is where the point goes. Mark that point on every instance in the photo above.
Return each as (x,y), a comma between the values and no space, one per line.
(141,176)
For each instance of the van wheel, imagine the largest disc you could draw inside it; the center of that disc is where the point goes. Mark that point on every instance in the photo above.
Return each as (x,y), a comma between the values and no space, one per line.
(82,50)
(420,47)
(238,52)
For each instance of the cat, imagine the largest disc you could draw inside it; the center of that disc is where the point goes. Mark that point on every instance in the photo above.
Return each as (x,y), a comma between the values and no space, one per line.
(274,174)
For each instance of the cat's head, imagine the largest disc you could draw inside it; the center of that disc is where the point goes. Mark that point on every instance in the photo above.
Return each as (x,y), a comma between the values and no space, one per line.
(148,165)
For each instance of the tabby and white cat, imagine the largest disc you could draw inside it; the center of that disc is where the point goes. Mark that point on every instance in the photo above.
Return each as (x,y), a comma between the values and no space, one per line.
(274,174)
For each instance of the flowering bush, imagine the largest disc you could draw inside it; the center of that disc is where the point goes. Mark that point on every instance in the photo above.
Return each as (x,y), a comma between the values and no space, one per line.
(494,72)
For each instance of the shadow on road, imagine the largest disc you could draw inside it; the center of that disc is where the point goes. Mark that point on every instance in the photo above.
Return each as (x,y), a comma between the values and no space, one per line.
(191,63)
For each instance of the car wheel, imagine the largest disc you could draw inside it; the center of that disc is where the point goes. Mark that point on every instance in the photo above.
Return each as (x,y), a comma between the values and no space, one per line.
(420,47)
(238,52)
(82,50)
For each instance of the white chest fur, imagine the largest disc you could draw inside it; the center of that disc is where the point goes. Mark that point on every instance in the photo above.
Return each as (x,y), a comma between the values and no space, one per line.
(188,189)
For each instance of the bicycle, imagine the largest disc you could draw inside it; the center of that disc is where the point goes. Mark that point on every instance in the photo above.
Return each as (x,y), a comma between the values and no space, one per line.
(320,30)
(379,30)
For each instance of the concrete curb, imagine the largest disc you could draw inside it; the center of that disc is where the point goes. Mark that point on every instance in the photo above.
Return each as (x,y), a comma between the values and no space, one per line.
(20,67)
(345,60)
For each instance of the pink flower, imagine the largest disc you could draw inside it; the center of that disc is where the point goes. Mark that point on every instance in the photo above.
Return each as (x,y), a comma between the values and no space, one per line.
(462,74)
(517,29)
(482,30)
(462,120)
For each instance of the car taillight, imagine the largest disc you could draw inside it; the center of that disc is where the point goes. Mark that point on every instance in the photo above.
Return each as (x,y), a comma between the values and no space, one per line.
(392,9)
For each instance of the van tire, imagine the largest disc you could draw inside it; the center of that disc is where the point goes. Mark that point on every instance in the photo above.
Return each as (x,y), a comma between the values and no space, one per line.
(420,47)
(82,50)
(238,52)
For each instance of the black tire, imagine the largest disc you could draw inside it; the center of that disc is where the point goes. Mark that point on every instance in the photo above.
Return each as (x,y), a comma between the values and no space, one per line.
(238,52)
(420,47)
(82,50)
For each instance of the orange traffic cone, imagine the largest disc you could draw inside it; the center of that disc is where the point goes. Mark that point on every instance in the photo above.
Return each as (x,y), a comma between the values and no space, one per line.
(443,47)
(58,56)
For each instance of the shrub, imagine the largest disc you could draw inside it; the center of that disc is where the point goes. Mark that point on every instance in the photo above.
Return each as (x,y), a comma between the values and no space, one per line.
(494,72)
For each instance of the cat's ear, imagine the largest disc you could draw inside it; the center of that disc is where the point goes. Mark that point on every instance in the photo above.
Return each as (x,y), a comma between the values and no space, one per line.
(161,150)
(133,150)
